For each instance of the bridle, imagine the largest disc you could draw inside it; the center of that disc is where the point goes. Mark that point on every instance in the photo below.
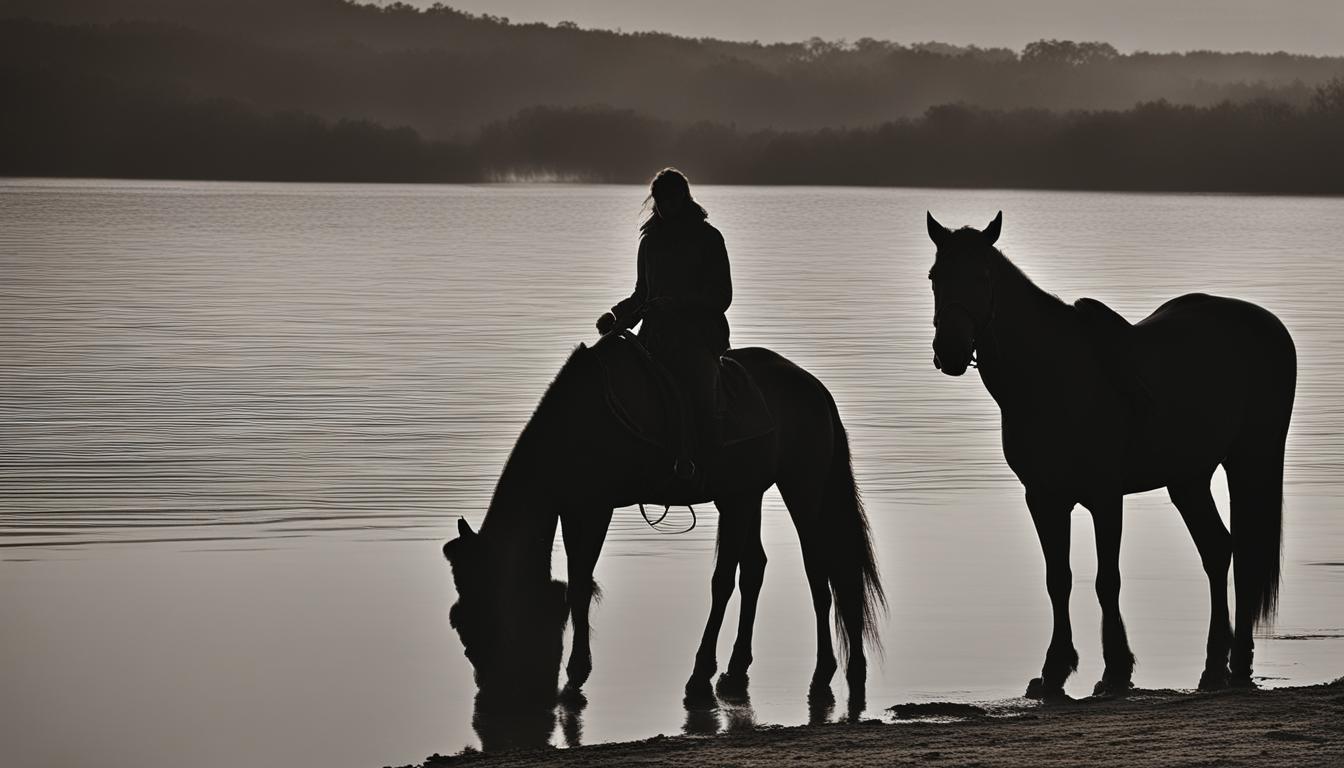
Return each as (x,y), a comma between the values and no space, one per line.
(979,328)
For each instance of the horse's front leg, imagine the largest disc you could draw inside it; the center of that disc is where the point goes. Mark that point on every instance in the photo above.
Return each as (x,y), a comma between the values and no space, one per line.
(584,533)
(699,689)
(751,574)
(1050,513)
(1107,523)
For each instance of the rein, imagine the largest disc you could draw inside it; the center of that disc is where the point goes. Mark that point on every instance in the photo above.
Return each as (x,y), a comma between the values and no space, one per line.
(668,508)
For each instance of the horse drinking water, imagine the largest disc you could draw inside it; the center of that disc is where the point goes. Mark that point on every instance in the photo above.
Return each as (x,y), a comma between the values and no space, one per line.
(1094,408)
(602,437)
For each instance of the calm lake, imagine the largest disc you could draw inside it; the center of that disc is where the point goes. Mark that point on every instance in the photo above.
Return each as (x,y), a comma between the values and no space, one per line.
(238,421)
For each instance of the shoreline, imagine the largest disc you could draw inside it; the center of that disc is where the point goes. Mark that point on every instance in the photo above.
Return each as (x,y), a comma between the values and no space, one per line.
(1262,728)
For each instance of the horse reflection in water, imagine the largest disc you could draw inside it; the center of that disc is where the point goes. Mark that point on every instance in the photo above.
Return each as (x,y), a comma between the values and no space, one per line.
(577,460)
(504,723)
(733,715)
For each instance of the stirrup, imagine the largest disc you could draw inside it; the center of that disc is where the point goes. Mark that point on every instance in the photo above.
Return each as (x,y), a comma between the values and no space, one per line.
(683,468)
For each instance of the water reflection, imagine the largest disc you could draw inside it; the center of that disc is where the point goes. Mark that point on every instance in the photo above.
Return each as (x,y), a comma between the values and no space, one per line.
(571,719)
(504,723)
(726,716)
(820,709)
(511,724)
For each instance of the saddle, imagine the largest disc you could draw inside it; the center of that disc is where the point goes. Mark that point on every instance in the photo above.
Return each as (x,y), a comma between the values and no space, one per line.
(1112,339)
(646,399)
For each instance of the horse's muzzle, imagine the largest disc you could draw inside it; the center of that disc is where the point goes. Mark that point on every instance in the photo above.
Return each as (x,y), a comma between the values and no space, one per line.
(952,365)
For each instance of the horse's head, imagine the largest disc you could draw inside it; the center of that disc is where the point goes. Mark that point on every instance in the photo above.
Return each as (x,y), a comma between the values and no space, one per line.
(962,293)
(511,627)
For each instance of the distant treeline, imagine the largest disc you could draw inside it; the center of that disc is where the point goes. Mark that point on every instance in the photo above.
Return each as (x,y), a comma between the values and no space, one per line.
(58,124)
(447,73)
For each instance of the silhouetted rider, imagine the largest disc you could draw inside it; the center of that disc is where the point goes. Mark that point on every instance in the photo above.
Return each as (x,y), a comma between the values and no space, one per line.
(682,290)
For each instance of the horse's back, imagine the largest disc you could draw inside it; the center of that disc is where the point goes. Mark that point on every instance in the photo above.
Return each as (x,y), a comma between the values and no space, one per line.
(1198,324)
(770,370)
(1218,363)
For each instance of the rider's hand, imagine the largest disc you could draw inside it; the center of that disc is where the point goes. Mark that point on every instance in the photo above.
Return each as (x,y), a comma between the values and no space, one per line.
(606,323)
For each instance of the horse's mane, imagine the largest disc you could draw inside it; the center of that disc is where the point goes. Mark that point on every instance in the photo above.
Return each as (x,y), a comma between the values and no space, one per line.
(1015,272)
(562,385)
(555,405)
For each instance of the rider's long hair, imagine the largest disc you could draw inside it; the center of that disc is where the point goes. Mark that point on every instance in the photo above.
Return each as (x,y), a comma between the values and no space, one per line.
(670,184)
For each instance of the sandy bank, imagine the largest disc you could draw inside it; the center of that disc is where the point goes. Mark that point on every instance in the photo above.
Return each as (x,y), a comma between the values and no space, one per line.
(1283,727)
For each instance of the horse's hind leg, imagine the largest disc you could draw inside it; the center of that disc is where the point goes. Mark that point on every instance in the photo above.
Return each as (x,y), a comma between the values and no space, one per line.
(805,509)
(699,689)
(751,574)
(584,533)
(1214,543)
(1106,519)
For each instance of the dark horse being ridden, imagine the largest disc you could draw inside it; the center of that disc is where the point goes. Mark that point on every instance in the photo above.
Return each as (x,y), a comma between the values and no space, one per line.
(1094,408)
(576,460)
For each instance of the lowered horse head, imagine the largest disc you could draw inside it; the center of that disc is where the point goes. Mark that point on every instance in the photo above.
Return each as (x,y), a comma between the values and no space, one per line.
(511,625)
(963,297)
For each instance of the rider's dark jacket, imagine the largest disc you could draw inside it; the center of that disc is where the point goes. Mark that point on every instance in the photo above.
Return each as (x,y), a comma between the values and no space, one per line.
(685,262)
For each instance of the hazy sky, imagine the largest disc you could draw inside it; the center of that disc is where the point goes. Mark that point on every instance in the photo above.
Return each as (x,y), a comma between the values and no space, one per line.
(1302,26)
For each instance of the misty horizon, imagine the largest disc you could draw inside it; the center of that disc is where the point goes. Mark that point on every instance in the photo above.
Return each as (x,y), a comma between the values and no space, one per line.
(1305,27)
(345,91)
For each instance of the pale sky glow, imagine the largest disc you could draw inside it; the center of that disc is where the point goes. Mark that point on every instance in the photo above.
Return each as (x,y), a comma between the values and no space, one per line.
(1298,26)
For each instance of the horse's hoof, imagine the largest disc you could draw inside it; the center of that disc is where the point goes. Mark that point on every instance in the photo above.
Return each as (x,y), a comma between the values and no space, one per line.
(1106,687)
(1240,681)
(575,677)
(699,694)
(1038,689)
(572,696)
(732,687)
(819,714)
(854,709)
(1214,680)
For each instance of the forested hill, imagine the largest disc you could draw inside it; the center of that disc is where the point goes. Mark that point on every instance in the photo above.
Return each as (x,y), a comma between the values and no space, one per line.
(446,73)
(332,90)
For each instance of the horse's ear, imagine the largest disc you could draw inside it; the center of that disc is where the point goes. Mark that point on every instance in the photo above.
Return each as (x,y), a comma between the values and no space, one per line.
(991,232)
(463,529)
(937,232)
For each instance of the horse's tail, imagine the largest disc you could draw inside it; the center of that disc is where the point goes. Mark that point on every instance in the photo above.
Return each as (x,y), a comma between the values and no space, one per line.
(855,585)
(1255,483)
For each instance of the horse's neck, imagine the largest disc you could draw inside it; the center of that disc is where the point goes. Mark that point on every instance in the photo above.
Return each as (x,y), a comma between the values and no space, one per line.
(531,491)
(523,512)
(1028,338)
(521,521)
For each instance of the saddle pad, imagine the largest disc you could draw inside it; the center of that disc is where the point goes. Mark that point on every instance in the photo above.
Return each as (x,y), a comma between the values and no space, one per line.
(645,397)
(746,415)
(1112,338)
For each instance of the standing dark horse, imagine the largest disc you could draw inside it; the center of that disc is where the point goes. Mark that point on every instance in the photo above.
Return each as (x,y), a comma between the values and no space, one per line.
(576,460)
(1094,409)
